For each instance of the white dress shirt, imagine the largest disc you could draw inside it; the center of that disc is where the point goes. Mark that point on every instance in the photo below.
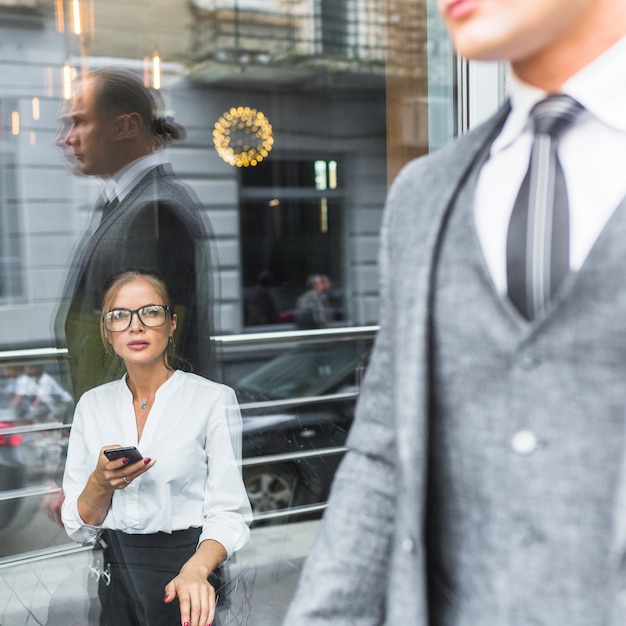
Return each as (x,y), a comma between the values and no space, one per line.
(592,153)
(194,433)
(123,181)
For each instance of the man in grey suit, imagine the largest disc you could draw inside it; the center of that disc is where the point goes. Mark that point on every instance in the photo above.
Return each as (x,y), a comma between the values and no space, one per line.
(485,482)
(147,220)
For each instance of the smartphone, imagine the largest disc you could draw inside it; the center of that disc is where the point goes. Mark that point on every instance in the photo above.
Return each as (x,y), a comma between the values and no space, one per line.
(131,453)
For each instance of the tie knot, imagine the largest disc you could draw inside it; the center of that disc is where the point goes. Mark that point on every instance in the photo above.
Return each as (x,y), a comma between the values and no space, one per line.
(108,207)
(554,114)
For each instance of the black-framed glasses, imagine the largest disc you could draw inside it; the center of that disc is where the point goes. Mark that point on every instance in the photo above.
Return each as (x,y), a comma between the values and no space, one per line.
(150,315)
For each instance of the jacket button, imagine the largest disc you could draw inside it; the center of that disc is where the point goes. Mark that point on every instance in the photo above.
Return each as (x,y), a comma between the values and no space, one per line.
(408,545)
(524,442)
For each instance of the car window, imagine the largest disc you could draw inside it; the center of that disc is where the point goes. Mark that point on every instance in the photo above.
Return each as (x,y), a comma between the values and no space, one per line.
(303,371)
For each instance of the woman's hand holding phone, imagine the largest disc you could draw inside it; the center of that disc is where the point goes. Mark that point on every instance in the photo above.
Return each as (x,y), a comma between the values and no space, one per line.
(122,465)
(108,476)
(131,453)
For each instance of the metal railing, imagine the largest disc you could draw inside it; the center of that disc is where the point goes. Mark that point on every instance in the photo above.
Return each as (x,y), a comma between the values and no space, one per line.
(21,356)
(345,333)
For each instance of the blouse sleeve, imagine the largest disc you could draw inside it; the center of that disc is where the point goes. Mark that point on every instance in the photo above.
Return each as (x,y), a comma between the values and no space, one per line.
(74,480)
(227,510)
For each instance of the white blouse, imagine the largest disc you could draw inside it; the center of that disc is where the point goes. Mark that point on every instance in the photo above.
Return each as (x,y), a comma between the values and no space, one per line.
(194,433)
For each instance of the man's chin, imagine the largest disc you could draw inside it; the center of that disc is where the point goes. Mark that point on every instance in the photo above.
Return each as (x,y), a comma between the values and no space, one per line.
(74,166)
(85,169)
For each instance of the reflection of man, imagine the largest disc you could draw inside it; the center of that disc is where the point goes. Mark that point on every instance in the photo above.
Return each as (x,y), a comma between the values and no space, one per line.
(485,482)
(65,124)
(312,309)
(149,221)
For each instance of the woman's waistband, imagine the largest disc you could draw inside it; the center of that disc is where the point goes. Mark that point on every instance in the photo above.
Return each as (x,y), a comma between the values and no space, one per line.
(176,538)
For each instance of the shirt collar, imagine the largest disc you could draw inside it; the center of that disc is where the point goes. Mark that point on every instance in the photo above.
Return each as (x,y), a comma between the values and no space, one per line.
(599,87)
(121,183)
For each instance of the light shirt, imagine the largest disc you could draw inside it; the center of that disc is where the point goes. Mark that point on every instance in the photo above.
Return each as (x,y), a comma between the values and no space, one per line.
(25,385)
(48,389)
(123,181)
(592,153)
(194,433)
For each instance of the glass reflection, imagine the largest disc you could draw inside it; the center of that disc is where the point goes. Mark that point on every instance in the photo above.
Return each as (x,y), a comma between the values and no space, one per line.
(353,90)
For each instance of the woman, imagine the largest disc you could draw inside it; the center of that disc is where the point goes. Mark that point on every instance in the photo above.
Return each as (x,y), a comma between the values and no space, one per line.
(172,517)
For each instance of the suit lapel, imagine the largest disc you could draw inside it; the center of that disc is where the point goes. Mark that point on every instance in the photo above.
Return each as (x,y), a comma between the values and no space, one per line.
(119,215)
(416,219)
(445,179)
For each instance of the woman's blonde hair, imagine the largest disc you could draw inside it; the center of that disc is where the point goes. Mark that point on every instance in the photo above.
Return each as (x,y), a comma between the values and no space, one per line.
(113,289)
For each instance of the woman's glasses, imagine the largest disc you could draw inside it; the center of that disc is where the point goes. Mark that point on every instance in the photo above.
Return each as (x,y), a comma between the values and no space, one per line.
(151,315)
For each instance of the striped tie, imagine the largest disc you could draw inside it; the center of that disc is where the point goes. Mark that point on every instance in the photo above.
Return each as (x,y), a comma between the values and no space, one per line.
(538,237)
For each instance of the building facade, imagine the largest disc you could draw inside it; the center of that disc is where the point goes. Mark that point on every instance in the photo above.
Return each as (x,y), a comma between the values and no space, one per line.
(346,83)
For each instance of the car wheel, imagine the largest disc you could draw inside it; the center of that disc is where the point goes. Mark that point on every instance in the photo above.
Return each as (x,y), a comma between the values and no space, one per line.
(270,488)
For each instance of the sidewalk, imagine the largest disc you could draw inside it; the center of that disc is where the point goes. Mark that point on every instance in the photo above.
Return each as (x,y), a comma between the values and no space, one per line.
(276,554)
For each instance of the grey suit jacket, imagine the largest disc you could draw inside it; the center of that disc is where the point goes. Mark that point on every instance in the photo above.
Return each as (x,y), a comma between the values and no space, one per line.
(157,227)
(368,563)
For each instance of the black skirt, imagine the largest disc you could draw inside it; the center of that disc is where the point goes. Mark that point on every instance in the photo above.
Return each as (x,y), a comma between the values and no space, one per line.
(140,566)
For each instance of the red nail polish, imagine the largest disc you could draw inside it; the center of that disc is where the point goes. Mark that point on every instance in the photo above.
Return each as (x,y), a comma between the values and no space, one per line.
(124,461)
(185,623)
(147,460)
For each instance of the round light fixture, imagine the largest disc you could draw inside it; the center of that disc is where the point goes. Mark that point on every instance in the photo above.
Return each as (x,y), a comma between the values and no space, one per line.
(243,136)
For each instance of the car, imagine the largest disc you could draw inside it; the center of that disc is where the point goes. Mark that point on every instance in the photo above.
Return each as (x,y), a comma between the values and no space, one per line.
(298,438)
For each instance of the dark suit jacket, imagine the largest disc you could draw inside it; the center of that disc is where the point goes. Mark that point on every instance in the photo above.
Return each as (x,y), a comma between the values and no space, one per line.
(156,227)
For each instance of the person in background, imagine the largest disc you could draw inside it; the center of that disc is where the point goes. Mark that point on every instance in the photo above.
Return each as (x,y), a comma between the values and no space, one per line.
(22,390)
(168,519)
(312,308)
(51,402)
(333,305)
(146,220)
(485,480)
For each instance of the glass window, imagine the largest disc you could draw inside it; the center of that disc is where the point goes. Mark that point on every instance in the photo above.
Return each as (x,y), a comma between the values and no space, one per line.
(291,227)
(297,116)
